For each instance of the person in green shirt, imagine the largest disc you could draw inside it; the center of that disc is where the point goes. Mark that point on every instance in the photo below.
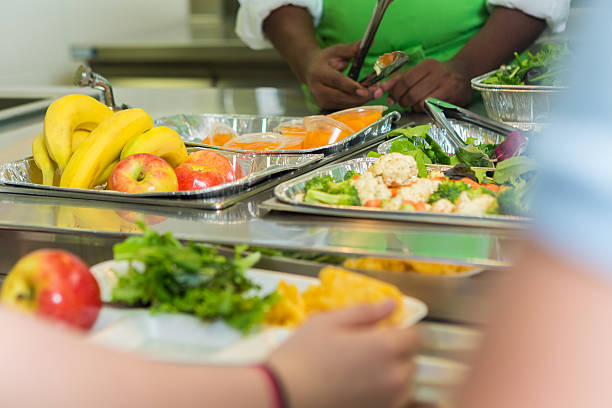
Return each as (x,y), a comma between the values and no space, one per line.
(449,43)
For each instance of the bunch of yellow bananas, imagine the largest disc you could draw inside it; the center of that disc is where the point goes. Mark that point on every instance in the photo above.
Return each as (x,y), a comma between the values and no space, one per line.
(83,140)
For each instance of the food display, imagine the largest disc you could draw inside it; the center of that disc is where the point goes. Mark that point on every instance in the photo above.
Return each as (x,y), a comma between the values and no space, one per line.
(56,285)
(542,69)
(167,276)
(308,133)
(406,266)
(417,142)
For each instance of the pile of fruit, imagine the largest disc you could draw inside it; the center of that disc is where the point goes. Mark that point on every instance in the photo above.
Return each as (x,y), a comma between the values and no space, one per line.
(309,133)
(86,145)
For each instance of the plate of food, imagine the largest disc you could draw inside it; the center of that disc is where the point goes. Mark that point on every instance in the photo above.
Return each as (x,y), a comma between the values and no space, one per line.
(185,303)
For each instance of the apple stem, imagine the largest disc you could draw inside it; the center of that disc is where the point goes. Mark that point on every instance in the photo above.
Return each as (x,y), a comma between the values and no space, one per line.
(140,177)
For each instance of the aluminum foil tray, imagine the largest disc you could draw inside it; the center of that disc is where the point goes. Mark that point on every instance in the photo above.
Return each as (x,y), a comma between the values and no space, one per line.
(194,128)
(465,130)
(288,192)
(526,107)
(25,175)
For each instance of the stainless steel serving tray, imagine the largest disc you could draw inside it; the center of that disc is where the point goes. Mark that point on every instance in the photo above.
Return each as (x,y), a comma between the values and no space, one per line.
(526,107)
(465,130)
(194,128)
(286,193)
(25,175)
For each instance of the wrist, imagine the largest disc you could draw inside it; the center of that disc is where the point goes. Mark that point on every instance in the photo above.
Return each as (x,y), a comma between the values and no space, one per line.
(277,390)
(462,67)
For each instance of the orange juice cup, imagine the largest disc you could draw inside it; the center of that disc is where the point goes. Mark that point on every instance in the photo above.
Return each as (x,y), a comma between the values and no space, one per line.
(323,131)
(219,135)
(258,141)
(359,118)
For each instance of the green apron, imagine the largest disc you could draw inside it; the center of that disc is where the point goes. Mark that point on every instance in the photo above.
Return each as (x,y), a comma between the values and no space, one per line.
(435,29)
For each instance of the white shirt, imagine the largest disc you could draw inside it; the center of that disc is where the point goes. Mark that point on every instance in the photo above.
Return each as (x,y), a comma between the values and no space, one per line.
(252,13)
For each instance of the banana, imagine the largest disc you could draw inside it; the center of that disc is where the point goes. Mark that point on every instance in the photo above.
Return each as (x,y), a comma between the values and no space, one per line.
(104,146)
(160,141)
(89,126)
(78,137)
(42,159)
(103,177)
(64,116)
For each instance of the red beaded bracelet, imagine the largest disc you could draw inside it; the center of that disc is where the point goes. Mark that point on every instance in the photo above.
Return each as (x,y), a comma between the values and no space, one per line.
(279,397)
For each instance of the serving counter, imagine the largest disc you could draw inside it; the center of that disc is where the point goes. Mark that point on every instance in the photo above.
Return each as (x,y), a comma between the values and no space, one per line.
(90,228)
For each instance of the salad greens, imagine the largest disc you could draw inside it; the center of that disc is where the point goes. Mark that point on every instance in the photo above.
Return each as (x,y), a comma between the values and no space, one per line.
(543,68)
(513,169)
(326,190)
(191,278)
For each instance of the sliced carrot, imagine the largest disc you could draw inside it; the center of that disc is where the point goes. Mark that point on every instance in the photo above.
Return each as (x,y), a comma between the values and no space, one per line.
(470,182)
(492,187)
(373,203)
(394,191)
(356,176)
(418,205)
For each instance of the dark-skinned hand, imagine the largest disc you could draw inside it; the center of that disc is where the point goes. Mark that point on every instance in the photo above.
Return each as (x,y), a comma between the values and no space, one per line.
(330,89)
(429,78)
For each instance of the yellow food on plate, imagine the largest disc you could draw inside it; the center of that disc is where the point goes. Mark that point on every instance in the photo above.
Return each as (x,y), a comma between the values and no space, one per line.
(399,265)
(338,289)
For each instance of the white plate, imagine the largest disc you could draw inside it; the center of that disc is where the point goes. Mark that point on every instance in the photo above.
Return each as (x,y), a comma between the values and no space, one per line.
(187,339)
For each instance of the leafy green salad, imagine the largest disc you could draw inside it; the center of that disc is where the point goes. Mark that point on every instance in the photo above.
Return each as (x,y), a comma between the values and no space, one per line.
(191,278)
(543,69)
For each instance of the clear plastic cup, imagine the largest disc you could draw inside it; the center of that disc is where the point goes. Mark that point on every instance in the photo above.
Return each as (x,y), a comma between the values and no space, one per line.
(219,135)
(265,142)
(323,131)
(359,118)
(292,128)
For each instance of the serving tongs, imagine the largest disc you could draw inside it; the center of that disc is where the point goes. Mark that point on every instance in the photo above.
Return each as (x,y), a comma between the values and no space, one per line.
(440,112)
(368,38)
(85,77)
(386,66)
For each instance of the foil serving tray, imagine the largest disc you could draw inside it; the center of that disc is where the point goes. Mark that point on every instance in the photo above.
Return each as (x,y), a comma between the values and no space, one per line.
(25,176)
(194,128)
(287,194)
(527,107)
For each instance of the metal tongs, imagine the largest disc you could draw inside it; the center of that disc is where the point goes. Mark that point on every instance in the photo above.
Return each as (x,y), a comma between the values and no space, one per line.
(384,68)
(85,77)
(440,112)
(368,38)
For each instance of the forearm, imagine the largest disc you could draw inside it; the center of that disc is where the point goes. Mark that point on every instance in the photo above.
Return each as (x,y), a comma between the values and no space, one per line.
(505,32)
(548,344)
(45,367)
(291,30)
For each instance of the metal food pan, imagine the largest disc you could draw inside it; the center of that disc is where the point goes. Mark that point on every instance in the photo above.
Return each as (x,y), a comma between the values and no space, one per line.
(527,107)
(465,130)
(287,192)
(194,128)
(25,175)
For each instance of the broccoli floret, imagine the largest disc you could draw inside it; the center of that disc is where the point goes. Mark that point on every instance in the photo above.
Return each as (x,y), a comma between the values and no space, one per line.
(477,192)
(451,190)
(318,183)
(515,200)
(316,196)
(350,174)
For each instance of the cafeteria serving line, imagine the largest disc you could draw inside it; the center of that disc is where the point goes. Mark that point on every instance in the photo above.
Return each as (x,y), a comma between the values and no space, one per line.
(176,210)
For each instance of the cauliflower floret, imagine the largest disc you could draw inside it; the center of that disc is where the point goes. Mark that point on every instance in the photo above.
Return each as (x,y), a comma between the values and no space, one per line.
(393,204)
(420,190)
(435,174)
(443,206)
(395,169)
(478,206)
(370,188)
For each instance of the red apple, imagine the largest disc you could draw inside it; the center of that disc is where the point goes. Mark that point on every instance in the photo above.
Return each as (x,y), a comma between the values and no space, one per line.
(192,176)
(143,173)
(134,217)
(216,162)
(54,284)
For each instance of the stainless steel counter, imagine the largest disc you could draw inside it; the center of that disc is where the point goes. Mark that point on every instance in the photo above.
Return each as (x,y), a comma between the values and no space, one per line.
(82,224)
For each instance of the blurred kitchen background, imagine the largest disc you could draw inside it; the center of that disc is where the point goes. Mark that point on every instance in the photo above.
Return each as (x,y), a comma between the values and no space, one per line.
(139,43)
